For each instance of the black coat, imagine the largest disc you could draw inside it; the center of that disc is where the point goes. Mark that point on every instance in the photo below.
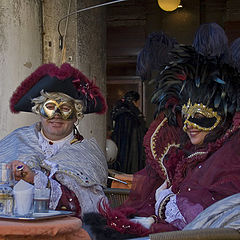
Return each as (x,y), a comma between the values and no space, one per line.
(128,133)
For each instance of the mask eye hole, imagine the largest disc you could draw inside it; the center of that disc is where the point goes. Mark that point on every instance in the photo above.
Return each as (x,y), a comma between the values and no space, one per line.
(65,108)
(198,115)
(50,106)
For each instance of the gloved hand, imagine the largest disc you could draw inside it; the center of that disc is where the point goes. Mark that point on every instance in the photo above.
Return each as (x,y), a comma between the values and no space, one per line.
(144,221)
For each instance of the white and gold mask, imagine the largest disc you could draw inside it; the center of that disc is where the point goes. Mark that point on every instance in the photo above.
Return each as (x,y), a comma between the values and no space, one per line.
(51,107)
(199,116)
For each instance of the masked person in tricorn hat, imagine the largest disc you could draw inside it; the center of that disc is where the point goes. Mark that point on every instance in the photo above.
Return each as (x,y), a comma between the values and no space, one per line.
(52,153)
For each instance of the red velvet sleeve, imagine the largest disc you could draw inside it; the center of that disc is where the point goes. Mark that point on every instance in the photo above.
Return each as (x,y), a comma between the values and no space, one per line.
(68,201)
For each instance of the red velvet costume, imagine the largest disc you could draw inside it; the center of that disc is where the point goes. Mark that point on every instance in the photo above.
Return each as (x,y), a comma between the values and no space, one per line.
(200,180)
(197,175)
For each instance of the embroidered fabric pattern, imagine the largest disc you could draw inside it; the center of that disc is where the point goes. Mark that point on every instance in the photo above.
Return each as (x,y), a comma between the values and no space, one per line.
(162,207)
(153,145)
(87,197)
(162,198)
(196,153)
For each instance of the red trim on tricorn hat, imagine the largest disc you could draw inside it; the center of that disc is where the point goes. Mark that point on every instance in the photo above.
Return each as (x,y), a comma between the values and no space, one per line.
(82,84)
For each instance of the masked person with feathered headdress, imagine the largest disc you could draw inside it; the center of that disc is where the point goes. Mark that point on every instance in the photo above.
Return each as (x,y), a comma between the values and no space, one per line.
(210,103)
(204,167)
(52,153)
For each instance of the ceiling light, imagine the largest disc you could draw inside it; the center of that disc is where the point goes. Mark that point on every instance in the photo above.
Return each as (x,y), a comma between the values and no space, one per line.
(169,5)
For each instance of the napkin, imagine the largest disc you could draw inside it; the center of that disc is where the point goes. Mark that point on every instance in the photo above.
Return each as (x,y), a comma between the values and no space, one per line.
(23,198)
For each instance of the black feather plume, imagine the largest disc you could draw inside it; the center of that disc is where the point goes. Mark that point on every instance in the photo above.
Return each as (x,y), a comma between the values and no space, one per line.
(154,55)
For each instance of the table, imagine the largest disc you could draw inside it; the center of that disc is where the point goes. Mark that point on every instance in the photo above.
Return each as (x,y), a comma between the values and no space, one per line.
(127,178)
(62,228)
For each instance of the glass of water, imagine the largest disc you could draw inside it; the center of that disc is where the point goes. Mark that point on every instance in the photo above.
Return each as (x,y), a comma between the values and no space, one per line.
(41,200)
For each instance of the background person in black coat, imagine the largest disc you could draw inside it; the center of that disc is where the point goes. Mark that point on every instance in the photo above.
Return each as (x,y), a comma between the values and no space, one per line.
(129,128)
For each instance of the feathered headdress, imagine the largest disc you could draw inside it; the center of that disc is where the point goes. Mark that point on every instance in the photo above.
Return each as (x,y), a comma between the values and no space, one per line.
(209,53)
(154,54)
(65,79)
(211,41)
(203,79)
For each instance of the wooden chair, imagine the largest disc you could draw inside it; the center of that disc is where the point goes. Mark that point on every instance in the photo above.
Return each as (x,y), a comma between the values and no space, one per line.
(116,196)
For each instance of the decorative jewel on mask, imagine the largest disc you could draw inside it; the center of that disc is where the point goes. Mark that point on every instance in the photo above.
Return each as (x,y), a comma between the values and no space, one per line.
(51,107)
(207,121)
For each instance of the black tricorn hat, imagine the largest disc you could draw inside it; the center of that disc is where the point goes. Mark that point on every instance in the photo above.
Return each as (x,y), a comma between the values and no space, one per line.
(64,79)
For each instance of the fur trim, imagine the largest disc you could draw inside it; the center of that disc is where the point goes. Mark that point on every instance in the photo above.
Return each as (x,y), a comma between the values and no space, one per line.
(99,229)
(118,220)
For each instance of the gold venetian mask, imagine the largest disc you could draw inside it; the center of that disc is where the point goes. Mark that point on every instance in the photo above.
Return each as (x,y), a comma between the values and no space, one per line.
(51,107)
(199,116)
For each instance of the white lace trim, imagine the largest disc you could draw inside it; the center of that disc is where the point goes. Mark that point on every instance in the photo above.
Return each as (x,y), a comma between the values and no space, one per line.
(160,196)
(53,166)
(56,193)
(41,181)
(172,212)
(51,150)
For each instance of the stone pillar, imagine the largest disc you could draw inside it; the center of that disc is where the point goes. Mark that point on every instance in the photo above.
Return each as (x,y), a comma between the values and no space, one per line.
(21,53)
(91,59)
(53,12)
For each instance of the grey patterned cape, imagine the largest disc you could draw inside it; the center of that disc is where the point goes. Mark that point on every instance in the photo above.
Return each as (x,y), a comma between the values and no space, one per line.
(81,166)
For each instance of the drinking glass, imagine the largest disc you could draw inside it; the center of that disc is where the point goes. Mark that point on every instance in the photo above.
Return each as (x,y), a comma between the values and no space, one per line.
(41,200)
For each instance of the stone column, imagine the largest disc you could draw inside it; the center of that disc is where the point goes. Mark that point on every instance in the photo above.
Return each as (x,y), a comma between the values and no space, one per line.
(54,12)
(20,54)
(91,59)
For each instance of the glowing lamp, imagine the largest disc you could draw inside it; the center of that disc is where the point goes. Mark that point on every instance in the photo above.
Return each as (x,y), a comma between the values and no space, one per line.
(168,5)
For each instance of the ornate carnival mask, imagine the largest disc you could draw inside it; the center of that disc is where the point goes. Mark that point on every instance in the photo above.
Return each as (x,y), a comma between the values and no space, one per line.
(51,107)
(199,116)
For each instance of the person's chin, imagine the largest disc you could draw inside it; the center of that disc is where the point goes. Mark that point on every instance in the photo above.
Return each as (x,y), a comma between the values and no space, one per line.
(194,139)
(194,142)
